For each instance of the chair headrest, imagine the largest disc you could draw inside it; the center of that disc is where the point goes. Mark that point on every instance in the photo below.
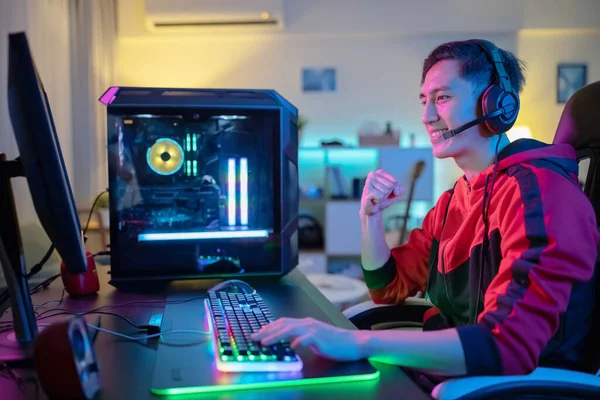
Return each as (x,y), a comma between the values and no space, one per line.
(579,124)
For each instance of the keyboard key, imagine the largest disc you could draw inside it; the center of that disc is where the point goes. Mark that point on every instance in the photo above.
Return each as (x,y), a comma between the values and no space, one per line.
(235,317)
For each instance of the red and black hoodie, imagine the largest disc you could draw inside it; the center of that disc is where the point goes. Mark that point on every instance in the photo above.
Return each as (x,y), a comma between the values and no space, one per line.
(522,297)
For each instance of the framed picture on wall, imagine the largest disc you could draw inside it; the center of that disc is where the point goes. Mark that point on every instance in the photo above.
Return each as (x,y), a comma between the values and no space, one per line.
(318,80)
(570,78)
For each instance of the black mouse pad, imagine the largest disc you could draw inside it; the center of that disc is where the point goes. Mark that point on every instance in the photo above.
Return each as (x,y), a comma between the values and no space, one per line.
(185,362)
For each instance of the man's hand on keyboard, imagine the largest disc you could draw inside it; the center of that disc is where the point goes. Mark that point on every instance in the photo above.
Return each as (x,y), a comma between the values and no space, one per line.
(325,340)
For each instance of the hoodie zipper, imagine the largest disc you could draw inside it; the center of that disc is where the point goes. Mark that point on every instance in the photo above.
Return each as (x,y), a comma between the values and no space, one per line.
(444,279)
(444,249)
(468,184)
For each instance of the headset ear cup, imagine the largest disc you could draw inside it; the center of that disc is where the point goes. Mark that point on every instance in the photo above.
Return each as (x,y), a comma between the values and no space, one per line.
(494,98)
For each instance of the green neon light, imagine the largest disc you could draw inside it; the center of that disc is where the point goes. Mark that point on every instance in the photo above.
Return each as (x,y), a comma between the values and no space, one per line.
(260,385)
(264,385)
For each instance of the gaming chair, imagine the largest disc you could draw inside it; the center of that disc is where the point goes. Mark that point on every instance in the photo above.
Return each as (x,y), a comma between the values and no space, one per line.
(578,126)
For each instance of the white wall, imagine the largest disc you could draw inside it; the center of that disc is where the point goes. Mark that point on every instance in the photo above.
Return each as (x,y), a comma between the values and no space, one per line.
(543,51)
(406,17)
(378,78)
(377,46)
(424,17)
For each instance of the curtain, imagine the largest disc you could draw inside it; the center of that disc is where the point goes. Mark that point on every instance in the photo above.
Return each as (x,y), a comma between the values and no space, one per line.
(93,52)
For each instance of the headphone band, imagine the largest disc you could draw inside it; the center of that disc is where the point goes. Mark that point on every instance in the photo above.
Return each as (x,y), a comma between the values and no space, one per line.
(495,57)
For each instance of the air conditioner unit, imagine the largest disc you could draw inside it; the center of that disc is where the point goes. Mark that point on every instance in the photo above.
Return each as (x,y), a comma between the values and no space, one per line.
(179,16)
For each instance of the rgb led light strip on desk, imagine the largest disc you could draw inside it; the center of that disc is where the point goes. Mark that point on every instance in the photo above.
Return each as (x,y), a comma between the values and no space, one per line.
(193,368)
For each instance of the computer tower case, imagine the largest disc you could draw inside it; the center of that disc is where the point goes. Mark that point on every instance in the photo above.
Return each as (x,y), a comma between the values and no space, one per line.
(203,183)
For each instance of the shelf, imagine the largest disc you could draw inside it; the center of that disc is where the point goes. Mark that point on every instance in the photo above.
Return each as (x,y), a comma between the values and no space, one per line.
(356,163)
(339,218)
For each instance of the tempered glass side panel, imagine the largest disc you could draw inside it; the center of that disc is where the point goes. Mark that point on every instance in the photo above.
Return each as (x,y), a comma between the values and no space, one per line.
(192,192)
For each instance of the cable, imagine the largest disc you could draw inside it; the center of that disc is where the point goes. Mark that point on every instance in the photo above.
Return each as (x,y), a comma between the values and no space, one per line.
(38,267)
(5,294)
(7,371)
(87,224)
(124,318)
(127,303)
(147,336)
(44,284)
(179,331)
(53,312)
(8,325)
(62,297)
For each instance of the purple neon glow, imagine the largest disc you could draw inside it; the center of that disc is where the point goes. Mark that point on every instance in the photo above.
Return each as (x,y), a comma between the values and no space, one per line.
(109,96)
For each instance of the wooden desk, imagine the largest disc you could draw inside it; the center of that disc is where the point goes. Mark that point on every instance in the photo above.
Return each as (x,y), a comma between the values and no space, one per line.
(126,367)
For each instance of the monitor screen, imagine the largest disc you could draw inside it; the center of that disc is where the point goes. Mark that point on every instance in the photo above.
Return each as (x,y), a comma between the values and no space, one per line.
(192,193)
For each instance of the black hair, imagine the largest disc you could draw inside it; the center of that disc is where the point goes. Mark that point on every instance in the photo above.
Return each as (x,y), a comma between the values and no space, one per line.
(476,66)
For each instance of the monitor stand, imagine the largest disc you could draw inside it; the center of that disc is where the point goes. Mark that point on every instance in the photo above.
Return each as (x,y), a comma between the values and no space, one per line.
(19,344)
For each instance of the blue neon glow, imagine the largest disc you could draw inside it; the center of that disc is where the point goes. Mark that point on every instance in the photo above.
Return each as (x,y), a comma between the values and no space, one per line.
(168,142)
(148,237)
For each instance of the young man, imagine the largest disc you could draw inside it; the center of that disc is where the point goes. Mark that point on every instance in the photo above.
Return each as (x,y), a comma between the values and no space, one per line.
(501,255)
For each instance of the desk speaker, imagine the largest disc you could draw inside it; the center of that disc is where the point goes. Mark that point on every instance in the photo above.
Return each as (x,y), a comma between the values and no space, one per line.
(65,361)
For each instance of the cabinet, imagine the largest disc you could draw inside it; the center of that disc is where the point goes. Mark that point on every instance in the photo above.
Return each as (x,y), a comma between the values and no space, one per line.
(331,196)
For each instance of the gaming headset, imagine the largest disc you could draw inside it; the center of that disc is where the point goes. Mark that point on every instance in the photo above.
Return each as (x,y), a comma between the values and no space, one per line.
(499,102)
(499,109)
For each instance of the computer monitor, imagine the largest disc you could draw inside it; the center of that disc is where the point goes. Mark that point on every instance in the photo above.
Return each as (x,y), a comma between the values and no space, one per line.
(41,162)
(203,183)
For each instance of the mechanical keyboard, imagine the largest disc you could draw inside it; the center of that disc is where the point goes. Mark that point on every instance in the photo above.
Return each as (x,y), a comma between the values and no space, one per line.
(233,317)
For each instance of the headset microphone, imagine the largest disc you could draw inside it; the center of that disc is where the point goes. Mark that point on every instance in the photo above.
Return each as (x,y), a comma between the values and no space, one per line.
(454,132)
(501,111)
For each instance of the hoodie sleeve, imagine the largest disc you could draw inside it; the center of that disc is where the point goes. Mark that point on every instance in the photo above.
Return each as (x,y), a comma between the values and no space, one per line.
(549,242)
(405,273)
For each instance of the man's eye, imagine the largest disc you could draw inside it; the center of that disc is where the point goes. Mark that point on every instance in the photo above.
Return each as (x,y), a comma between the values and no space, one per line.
(443,97)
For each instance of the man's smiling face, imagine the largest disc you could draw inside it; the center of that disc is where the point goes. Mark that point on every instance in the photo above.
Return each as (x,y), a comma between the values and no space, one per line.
(449,102)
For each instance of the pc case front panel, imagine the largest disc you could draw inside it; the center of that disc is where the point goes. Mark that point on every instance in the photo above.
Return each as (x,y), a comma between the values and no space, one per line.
(193,194)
